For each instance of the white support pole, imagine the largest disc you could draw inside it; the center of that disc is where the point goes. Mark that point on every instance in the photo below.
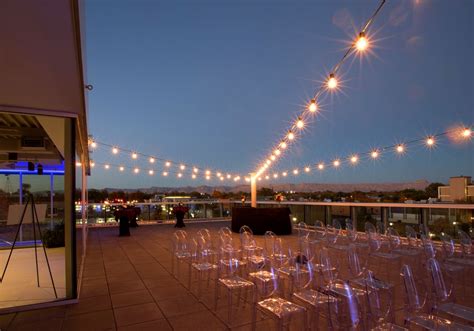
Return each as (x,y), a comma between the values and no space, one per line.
(20,190)
(51,202)
(253,190)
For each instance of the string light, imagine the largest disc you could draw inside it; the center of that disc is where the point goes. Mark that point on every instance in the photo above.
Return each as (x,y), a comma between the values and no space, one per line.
(151,172)
(221,178)
(195,170)
(283,145)
(466,133)
(400,148)
(295,171)
(321,166)
(165,173)
(275,175)
(180,175)
(362,42)
(273,157)
(290,136)
(92,164)
(115,150)
(93,144)
(78,164)
(193,176)
(229,176)
(121,168)
(299,123)
(313,107)
(107,167)
(168,164)
(307,169)
(374,154)
(218,174)
(336,163)
(332,82)
(430,141)
(152,160)
(266,177)
(284,174)
(354,159)
(182,167)
(134,156)
(277,152)
(136,170)
(208,177)
(208,172)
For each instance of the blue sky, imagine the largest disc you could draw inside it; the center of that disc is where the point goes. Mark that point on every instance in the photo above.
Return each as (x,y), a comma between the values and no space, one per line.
(216,83)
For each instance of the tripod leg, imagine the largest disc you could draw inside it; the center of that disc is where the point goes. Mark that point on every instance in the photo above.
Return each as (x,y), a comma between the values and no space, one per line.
(44,250)
(14,241)
(33,207)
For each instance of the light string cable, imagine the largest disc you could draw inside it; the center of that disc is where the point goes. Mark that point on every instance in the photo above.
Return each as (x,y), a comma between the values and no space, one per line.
(361,43)
(168,164)
(430,142)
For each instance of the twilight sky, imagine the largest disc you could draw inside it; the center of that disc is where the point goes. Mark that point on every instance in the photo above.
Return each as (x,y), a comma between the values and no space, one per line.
(217,83)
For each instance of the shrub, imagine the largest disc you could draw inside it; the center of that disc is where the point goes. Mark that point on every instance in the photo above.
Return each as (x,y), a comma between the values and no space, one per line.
(54,238)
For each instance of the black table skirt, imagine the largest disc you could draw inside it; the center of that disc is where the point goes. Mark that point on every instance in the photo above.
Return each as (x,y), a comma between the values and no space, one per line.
(261,220)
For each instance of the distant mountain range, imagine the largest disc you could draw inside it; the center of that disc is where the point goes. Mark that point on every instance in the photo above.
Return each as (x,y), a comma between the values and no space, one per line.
(301,187)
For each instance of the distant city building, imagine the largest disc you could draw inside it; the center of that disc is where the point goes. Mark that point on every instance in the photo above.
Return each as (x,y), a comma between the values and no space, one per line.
(460,189)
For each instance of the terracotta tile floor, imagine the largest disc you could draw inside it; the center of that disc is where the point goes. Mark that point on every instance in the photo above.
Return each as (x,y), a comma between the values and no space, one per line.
(128,285)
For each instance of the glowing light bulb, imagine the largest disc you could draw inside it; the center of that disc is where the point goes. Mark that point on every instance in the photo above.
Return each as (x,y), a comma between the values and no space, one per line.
(92,164)
(290,136)
(134,155)
(354,159)
(180,175)
(400,148)
(275,175)
(284,174)
(78,164)
(151,172)
(107,167)
(430,141)
(307,169)
(152,160)
(336,163)
(121,168)
(313,107)
(374,154)
(299,123)
(193,176)
(115,150)
(165,173)
(265,166)
(321,166)
(136,170)
(182,167)
(267,177)
(222,178)
(93,144)
(362,42)
(466,133)
(218,174)
(295,172)
(208,177)
(273,157)
(277,152)
(332,82)
(195,170)
(168,164)
(268,162)
(283,145)
(228,176)
(208,172)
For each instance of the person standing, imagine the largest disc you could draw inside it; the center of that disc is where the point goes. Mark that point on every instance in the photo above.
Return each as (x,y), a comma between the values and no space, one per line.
(180,211)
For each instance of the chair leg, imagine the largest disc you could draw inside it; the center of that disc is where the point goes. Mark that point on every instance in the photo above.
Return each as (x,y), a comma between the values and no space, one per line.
(254,308)
(229,313)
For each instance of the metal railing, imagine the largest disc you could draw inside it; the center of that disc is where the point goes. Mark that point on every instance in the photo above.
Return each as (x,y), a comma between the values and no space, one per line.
(439,218)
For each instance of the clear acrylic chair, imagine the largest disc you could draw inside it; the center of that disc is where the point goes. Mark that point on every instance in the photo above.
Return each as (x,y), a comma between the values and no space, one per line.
(227,276)
(182,251)
(282,311)
(442,294)
(411,237)
(252,253)
(416,314)
(205,261)
(466,244)
(344,311)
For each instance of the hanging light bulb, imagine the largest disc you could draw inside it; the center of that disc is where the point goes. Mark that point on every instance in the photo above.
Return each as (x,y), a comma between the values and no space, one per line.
(268,162)
(283,144)
(107,167)
(152,160)
(284,174)
(180,175)
(182,167)
(374,154)
(221,178)
(229,176)
(115,150)
(277,152)
(195,170)
(295,171)
(78,164)
(165,173)
(93,144)
(321,166)
(275,175)
(430,141)
(208,172)
(362,42)
(466,133)
(299,123)
(290,136)
(336,163)
(307,169)
(218,174)
(168,164)
(313,107)
(136,170)
(332,82)
(92,164)
(354,159)
(400,148)
(121,168)
(267,177)
(193,176)
(151,172)
(134,155)
(273,157)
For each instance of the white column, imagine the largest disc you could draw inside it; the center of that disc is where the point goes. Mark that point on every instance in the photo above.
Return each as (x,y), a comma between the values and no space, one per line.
(51,192)
(253,190)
